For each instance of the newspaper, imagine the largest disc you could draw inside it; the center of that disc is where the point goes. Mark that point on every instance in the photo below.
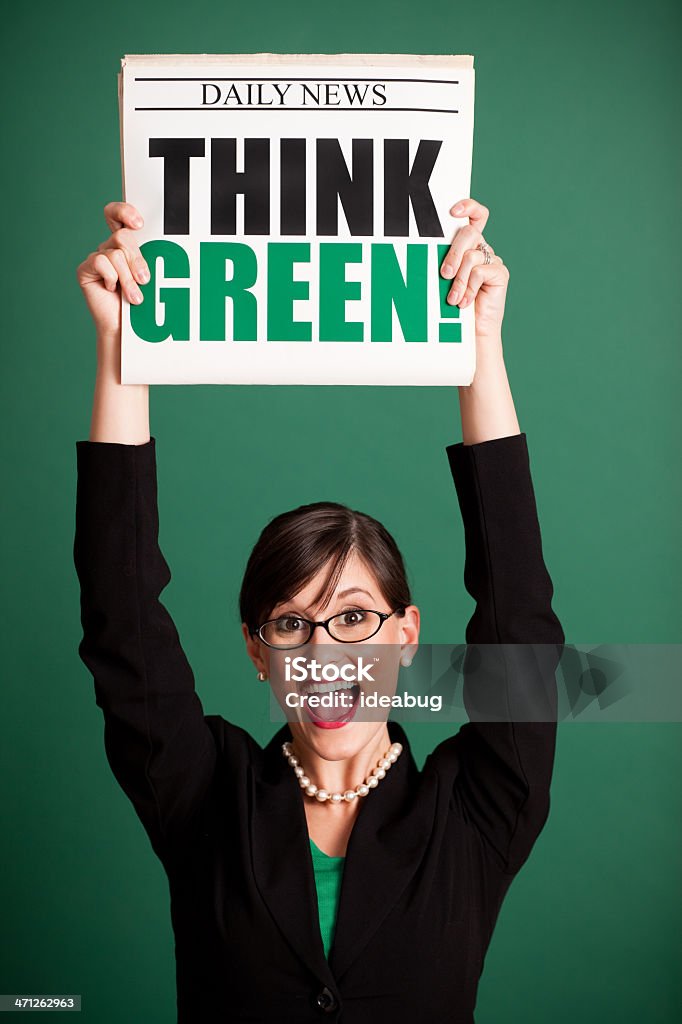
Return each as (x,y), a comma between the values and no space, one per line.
(296,213)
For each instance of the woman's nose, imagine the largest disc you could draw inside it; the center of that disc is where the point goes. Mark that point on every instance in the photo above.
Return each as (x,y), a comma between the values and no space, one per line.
(320,635)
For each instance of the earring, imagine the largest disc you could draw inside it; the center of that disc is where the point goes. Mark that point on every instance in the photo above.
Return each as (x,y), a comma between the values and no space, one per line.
(405,660)
(262,677)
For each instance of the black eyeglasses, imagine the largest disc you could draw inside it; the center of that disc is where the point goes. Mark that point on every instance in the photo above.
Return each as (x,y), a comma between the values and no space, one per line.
(352,626)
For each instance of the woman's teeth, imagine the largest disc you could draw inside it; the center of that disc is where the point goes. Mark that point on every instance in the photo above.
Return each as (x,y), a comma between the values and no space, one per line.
(336,684)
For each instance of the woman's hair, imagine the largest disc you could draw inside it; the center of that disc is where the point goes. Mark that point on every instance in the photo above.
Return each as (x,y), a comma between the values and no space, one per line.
(296,545)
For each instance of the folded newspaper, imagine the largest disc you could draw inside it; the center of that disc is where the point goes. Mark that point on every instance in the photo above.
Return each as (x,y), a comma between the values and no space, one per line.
(296,214)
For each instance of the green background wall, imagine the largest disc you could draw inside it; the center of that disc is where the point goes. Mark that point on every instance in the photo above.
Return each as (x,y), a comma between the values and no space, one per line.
(577,156)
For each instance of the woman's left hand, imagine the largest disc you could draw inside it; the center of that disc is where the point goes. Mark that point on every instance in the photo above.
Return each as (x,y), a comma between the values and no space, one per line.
(472,279)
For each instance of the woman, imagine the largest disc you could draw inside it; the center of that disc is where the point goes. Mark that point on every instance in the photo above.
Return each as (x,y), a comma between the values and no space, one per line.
(250,837)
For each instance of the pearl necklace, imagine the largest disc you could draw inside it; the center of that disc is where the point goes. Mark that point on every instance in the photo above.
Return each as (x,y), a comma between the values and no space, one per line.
(371,782)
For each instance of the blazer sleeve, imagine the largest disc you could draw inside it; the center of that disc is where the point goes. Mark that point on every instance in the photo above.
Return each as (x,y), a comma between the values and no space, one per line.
(156,738)
(505,753)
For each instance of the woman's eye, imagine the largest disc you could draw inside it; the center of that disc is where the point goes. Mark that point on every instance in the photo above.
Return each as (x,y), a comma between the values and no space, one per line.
(290,625)
(352,618)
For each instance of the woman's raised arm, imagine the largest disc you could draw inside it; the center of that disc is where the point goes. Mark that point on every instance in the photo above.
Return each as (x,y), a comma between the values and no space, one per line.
(158,743)
(500,763)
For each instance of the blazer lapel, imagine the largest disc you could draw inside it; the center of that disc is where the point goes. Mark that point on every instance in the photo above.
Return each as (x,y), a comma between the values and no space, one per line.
(386,846)
(282,861)
(385,849)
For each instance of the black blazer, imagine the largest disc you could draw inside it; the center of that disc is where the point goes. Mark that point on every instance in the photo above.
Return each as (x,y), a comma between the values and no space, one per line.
(432,852)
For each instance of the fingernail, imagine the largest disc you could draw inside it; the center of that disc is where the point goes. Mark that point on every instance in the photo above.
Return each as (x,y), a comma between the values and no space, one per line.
(136,295)
(459,208)
(464,302)
(142,270)
(137,222)
(453,296)
(448,270)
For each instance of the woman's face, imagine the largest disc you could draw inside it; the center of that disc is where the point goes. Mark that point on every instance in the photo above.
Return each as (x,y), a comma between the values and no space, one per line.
(328,732)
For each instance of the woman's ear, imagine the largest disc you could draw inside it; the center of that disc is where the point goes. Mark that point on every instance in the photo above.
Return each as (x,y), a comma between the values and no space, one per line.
(409,628)
(254,649)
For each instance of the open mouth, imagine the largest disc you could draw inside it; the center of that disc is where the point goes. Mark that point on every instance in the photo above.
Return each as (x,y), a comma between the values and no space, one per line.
(330,705)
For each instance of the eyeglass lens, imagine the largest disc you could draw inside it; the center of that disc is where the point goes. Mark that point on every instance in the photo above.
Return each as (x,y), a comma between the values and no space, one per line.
(351,626)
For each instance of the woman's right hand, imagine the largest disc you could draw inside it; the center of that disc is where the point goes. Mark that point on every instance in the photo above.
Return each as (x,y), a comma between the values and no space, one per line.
(116,261)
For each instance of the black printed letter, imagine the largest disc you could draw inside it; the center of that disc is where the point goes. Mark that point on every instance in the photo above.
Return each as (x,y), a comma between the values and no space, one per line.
(176,154)
(334,183)
(253,183)
(402,186)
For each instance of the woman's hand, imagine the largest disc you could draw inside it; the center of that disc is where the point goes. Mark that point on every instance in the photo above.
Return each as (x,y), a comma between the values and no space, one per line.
(117,261)
(472,279)
(120,412)
(486,405)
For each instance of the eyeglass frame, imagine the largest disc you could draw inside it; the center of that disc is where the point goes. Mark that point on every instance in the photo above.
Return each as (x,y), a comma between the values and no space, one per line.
(313,624)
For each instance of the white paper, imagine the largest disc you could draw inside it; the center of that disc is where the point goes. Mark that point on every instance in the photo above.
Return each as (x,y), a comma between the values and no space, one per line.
(344,97)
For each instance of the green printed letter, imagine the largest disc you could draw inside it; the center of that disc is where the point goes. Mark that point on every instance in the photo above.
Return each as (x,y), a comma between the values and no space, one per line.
(335,290)
(215,289)
(282,290)
(175,300)
(390,289)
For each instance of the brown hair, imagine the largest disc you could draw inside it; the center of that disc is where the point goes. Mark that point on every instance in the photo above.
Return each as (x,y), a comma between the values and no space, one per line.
(296,545)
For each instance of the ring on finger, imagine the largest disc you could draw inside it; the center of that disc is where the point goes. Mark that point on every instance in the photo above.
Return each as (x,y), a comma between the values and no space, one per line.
(486,250)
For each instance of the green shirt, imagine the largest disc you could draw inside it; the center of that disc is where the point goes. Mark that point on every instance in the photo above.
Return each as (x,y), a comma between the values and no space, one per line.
(328,871)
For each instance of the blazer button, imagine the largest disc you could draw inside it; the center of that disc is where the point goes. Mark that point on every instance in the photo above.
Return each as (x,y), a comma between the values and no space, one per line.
(326,1001)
